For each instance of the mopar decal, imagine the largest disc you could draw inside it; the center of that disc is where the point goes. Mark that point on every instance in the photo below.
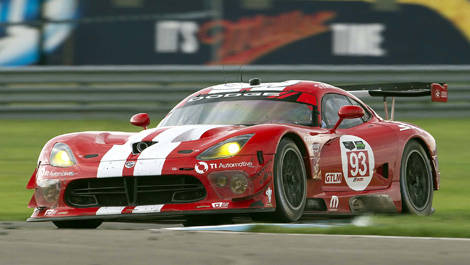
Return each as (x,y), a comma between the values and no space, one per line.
(334,202)
(358,162)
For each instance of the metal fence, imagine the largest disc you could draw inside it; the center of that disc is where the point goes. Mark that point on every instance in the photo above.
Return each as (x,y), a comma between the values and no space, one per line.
(120,91)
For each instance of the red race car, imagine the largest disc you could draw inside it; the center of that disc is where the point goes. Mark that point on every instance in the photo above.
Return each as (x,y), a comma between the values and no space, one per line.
(271,150)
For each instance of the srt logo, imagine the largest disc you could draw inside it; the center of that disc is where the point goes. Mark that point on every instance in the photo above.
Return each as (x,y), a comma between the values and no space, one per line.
(201,167)
(334,202)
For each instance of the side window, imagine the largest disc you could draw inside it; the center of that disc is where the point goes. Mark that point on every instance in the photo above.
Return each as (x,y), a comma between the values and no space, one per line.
(331,103)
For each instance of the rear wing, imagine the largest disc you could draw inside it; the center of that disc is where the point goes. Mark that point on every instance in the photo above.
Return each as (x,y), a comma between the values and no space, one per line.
(437,91)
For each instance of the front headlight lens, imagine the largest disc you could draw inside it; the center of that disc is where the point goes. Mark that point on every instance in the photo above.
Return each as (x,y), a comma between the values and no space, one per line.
(225,149)
(62,156)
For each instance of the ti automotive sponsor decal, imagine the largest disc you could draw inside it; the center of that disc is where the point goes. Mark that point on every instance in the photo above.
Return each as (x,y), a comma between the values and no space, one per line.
(42,172)
(357,159)
(333,178)
(202,167)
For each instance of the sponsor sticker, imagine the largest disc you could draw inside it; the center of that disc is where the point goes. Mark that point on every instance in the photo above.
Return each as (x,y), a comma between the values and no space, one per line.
(201,167)
(357,159)
(234,95)
(220,205)
(269,193)
(333,178)
(50,212)
(334,202)
(42,172)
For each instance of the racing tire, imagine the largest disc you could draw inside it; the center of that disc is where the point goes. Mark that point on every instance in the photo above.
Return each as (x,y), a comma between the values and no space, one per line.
(416,182)
(78,224)
(290,182)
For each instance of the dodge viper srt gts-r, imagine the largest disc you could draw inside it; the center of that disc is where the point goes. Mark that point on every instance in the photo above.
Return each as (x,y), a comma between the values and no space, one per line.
(271,150)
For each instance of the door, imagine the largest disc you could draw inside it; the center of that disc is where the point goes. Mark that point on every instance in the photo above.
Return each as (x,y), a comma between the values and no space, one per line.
(361,157)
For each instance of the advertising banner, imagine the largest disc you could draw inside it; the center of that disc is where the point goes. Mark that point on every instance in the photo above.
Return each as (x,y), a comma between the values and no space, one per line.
(235,32)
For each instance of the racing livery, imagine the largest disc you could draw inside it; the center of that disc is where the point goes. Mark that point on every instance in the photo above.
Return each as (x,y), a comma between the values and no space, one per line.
(272,150)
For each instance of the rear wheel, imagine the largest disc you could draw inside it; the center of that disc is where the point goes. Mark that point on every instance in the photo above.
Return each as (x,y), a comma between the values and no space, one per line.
(78,224)
(289,182)
(416,180)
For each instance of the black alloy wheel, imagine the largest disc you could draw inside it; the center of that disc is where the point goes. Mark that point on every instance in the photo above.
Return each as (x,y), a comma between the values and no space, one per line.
(416,180)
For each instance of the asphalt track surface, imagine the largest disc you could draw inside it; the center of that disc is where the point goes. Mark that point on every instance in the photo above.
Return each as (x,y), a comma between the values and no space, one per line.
(126,243)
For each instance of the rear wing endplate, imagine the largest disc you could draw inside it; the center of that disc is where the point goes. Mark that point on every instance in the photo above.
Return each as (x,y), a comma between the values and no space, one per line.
(437,91)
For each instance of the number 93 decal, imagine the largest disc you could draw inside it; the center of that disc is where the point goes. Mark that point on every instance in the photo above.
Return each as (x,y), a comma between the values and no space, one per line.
(357,160)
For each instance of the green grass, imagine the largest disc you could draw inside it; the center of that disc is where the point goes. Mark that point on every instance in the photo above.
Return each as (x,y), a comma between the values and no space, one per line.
(21,142)
(20,145)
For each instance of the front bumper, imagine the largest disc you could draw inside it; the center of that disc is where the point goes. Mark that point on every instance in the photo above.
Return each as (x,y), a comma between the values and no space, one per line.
(218,200)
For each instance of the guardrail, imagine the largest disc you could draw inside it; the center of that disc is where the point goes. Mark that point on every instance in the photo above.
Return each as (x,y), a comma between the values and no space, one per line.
(119,91)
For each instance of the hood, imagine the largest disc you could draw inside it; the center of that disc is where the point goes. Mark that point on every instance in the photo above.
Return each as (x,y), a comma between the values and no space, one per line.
(165,140)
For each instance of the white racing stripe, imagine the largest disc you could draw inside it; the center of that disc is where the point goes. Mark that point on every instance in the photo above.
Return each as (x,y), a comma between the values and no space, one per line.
(112,163)
(109,210)
(152,159)
(236,87)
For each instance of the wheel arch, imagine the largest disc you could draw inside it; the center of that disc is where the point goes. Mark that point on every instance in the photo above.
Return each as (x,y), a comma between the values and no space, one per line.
(302,148)
(427,149)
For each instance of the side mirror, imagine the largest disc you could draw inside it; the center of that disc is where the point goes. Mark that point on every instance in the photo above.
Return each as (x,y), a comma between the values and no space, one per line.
(348,112)
(140,119)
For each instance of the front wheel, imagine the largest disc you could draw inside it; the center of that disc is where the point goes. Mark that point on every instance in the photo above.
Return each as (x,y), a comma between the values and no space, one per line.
(290,182)
(78,224)
(416,180)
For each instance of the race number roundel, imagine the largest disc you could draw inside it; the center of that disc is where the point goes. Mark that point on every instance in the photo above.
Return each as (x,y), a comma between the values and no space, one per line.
(357,160)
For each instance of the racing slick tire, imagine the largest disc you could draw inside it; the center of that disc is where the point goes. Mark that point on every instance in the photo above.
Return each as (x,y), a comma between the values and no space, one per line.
(290,182)
(78,224)
(416,183)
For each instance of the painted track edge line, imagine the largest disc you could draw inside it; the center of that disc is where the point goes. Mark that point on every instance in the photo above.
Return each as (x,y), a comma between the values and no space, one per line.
(320,235)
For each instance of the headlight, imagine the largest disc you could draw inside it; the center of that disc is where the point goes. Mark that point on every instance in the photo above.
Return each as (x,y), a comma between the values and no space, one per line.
(62,156)
(225,149)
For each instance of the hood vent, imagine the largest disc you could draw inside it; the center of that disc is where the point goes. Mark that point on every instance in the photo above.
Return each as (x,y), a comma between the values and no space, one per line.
(138,147)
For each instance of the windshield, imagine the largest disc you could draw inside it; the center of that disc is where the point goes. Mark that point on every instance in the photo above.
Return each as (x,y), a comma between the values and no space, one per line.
(246,112)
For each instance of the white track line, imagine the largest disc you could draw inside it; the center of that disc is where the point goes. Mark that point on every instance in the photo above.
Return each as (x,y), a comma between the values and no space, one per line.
(321,235)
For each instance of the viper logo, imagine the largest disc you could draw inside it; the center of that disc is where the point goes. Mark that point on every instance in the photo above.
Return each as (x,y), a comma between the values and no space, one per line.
(201,167)
(129,164)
